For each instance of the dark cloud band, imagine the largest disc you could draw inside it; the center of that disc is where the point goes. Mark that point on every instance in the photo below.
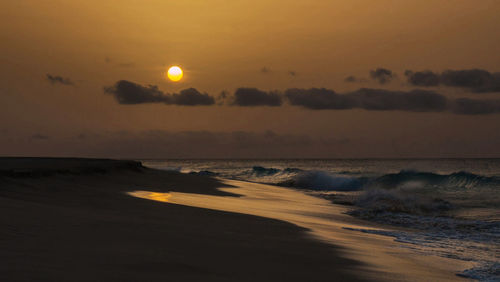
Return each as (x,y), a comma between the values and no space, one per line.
(368,99)
(418,100)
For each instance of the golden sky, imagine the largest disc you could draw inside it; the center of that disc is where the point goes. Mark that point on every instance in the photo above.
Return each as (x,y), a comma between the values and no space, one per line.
(225,45)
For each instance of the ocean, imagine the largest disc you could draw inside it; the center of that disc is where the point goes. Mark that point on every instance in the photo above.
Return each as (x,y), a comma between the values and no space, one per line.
(445,207)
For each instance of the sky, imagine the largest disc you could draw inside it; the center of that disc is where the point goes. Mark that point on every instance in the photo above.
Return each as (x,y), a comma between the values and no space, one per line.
(262,79)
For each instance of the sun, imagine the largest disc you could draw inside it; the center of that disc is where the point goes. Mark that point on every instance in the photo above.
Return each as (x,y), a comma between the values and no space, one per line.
(174,73)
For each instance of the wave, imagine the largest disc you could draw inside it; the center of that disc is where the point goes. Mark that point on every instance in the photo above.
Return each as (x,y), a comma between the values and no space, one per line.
(477,247)
(260,171)
(428,205)
(375,201)
(169,168)
(353,181)
(433,229)
(468,240)
(405,179)
(263,171)
(204,173)
(320,180)
(408,178)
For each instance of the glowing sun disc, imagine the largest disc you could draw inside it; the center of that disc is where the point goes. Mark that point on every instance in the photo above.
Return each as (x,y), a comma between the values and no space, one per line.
(174,73)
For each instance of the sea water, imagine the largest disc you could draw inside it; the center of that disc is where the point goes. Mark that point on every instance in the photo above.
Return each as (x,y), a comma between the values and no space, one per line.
(446,207)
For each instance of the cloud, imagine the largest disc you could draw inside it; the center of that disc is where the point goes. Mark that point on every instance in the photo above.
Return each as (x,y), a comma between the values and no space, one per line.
(382,75)
(319,99)
(130,93)
(368,99)
(475,80)
(191,97)
(417,100)
(386,100)
(56,79)
(250,97)
(351,78)
(422,78)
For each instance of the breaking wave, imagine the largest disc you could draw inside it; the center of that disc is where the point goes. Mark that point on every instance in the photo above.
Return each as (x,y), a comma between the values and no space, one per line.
(320,180)
(204,173)
(260,171)
(454,180)
(348,181)
(452,214)
(375,201)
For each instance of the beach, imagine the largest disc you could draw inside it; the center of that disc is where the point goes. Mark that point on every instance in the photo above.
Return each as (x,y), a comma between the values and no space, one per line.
(107,220)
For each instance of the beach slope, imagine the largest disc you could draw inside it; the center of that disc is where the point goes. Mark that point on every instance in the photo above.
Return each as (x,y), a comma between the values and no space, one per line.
(72,220)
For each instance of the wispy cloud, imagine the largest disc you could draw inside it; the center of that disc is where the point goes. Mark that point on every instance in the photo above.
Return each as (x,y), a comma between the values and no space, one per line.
(56,79)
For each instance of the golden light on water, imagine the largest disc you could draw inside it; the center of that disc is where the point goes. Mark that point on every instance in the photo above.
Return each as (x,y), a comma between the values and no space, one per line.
(175,73)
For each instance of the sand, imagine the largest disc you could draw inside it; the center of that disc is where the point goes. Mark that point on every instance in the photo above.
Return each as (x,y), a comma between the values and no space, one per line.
(381,257)
(75,220)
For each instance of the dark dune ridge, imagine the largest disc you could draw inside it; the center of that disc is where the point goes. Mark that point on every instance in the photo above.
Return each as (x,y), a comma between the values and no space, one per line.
(70,220)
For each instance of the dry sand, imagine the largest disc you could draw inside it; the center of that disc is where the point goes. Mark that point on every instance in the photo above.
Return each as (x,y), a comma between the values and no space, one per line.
(72,220)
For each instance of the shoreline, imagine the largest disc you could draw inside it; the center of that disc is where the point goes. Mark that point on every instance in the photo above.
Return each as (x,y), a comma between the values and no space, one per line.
(81,226)
(325,222)
(68,217)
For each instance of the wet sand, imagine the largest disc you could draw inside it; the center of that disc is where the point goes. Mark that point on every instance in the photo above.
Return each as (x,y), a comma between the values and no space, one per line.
(326,222)
(71,220)
(75,220)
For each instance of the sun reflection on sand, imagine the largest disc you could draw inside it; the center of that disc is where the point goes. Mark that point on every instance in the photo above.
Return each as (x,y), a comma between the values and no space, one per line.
(160,197)
(326,222)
